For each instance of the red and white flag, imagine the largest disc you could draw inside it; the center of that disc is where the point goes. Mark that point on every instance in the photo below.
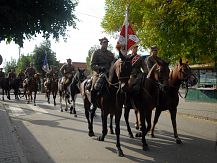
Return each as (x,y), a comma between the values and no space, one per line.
(127,37)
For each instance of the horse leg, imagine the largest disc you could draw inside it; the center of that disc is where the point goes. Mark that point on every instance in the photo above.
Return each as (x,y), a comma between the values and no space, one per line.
(34,98)
(156,117)
(89,116)
(117,132)
(66,104)
(137,125)
(126,116)
(61,105)
(173,119)
(144,130)
(111,126)
(104,125)
(48,96)
(72,108)
(54,97)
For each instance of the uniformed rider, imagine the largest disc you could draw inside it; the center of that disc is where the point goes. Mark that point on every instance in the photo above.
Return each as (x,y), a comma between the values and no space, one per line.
(68,71)
(30,72)
(151,59)
(2,74)
(139,70)
(100,64)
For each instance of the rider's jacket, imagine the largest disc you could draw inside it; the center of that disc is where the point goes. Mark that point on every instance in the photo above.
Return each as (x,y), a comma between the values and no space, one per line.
(138,65)
(67,69)
(150,62)
(21,76)
(30,72)
(102,58)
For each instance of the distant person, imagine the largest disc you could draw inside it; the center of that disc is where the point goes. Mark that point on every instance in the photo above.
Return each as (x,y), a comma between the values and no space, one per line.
(30,72)
(151,59)
(68,71)
(2,74)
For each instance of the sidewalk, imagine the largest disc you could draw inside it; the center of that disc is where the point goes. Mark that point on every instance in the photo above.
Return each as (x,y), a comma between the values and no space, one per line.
(10,151)
(198,109)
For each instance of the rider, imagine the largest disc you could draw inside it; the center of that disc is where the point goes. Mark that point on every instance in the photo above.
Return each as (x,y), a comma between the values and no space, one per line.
(151,59)
(100,64)
(30,72)
(21,75)
(139,70)
(67,70)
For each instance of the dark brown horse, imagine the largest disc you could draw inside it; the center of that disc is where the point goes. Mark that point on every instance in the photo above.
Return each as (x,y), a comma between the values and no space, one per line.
(31,87)
(4,85)
(169,99)
(147,98)
(112,99)
(78,78)
(51,87)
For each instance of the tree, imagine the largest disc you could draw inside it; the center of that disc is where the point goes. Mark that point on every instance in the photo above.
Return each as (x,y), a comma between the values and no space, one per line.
(23,62)
(10,65)
(180,28)
(39,54)
(25,18)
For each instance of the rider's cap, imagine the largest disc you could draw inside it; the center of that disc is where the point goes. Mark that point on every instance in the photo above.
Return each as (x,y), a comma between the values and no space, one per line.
(103,40)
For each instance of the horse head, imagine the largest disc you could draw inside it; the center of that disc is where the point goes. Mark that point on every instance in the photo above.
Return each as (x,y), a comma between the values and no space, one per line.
(185,73)
(122,69)
(81,75)
(160,71)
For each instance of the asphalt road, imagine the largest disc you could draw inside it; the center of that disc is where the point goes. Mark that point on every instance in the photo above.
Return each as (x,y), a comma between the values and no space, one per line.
(48,135)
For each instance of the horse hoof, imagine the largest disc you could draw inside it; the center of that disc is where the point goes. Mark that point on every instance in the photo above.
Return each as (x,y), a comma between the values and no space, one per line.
(139,134)
(178,141)
(91,133)
(120,153)
(153,136)
(70,112)
(55,104)
(75,115)
(101,138)
(145,148)
(112,132)
(66,109)
(61,110)
(131,135)
(34,104)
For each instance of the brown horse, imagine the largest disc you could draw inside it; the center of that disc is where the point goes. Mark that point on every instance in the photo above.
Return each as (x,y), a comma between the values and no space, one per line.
(147,98)
(169,99)
(51,87)
(112,99)
(30,87)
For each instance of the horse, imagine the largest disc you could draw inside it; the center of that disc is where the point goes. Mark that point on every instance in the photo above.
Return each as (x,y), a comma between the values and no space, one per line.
(4,84)
(169,99)
(64,91)
(111,100)
(146,99)
(51,86)
(30,87)
(78,78)
(15,85)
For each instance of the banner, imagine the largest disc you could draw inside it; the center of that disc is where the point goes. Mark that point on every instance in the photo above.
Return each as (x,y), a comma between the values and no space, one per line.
(127,38)
(45,65)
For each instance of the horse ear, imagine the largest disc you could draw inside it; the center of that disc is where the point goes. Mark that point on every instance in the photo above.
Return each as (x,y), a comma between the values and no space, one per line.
(180,61)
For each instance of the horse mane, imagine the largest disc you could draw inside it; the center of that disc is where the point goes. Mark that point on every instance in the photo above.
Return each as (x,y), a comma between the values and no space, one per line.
(113,78)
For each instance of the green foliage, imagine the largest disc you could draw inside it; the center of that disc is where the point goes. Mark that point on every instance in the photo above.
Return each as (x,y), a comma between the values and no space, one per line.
(88,58)
(10,65)
(23,19)
(23,62)
(39,54)
(180,28)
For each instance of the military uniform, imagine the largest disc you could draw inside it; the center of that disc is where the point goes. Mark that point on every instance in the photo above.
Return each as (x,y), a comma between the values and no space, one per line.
(11,75)
(21,76)
(150,62)
(30,72)
(67,71)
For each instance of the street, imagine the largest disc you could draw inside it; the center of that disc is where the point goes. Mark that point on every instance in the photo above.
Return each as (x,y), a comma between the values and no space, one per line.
(47,135)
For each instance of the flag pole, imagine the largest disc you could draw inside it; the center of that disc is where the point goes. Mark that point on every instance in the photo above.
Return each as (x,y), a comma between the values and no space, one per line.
(126,26)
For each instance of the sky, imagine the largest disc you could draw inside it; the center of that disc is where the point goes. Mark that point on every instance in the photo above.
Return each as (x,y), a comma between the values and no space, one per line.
(79,41)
